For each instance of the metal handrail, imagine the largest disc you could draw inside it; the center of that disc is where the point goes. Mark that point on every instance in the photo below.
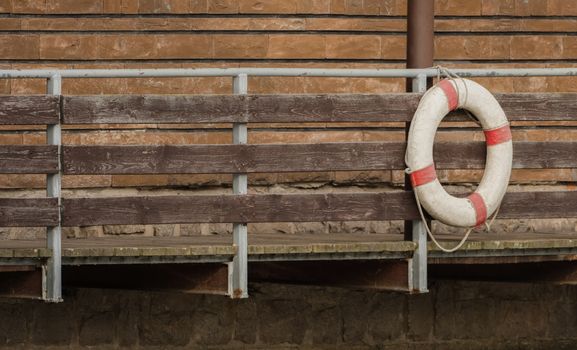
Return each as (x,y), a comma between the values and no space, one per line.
(278,72)
(52,291)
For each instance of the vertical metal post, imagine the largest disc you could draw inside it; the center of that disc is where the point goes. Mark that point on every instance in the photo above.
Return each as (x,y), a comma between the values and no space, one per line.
(238,288)
(53,190)
(418,230)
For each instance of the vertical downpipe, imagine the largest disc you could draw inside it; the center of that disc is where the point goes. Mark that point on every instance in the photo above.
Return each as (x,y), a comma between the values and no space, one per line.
(420,51)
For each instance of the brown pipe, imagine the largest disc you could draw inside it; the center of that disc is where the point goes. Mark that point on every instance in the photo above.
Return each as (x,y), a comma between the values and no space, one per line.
(420,33)
(420,50)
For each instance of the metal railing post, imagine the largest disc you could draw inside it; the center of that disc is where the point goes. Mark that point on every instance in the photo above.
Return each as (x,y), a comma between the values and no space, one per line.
(418,264)
(238,288)
(53,290)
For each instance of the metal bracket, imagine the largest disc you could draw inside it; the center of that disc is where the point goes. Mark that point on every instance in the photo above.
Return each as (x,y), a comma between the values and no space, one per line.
(53,285)
(418,263)
(238,268)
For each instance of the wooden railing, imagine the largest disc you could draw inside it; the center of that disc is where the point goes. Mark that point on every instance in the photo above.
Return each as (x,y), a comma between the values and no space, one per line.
(217,159)
(239,208)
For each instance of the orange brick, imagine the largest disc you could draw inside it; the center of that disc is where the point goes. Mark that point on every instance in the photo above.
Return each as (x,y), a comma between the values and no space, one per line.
(272,7)
(313,6)
(240,46)
(498,7)
(10,24)
(570,47)
(561,8)
(139,180)
(183,46)
(296,46)
(393,47)
(548,25)
(10,139)
(356,24)
(86,181)
(279,85)
(223,6)
(129,6)
(458,8)
(531,7)
(163,6)
(353,46)
(73,6)
(126,47)
(195,180)
(276,24)
(67,46)
(19,47)
(5,6)
(338,6)
(27,86)
(534,47)
(472,47)
(198,6)
(28,181)
(28,6)
(155,138)
(111,6)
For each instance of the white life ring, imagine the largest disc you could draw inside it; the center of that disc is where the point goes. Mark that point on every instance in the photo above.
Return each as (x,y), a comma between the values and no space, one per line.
(437,102)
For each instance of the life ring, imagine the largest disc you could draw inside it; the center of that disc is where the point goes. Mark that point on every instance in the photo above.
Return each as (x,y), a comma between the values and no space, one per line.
(437,102)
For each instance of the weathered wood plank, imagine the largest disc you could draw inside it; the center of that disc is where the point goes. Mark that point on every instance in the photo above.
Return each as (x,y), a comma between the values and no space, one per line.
(539,106)
(290,208)
(35,159)
(539,205)
(332,108)
(33,110)
(130,109)
(234,208)
(231,158)
(199,159)
(292,108)
(33,212)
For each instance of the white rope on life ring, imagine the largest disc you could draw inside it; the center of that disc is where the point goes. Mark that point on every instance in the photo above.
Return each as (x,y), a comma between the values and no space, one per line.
(437,102)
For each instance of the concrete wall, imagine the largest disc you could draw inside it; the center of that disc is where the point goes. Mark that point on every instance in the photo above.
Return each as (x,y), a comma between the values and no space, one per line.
(455,315)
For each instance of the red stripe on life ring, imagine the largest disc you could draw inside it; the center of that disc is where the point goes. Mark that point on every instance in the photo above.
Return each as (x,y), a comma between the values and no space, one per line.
(423,176)
(450,92)
(498,135)
(480,207)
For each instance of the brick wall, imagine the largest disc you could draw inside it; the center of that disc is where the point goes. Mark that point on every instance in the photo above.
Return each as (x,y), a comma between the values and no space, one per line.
(289,33)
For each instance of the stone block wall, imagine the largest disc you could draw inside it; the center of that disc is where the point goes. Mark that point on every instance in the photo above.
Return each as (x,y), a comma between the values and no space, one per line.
(455,315)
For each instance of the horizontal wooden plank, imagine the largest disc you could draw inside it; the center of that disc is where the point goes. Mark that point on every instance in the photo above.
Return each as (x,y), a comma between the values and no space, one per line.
(331,108)
(28,212)
(231,208)
(222,159)
(539,106)
(129,109)
(539,205)
(33,109)
(396,205)
(231,158)
(28,159)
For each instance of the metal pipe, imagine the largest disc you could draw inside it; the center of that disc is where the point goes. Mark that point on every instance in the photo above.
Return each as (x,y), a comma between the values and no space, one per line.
(278,72)
(420,37)
(420,50)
